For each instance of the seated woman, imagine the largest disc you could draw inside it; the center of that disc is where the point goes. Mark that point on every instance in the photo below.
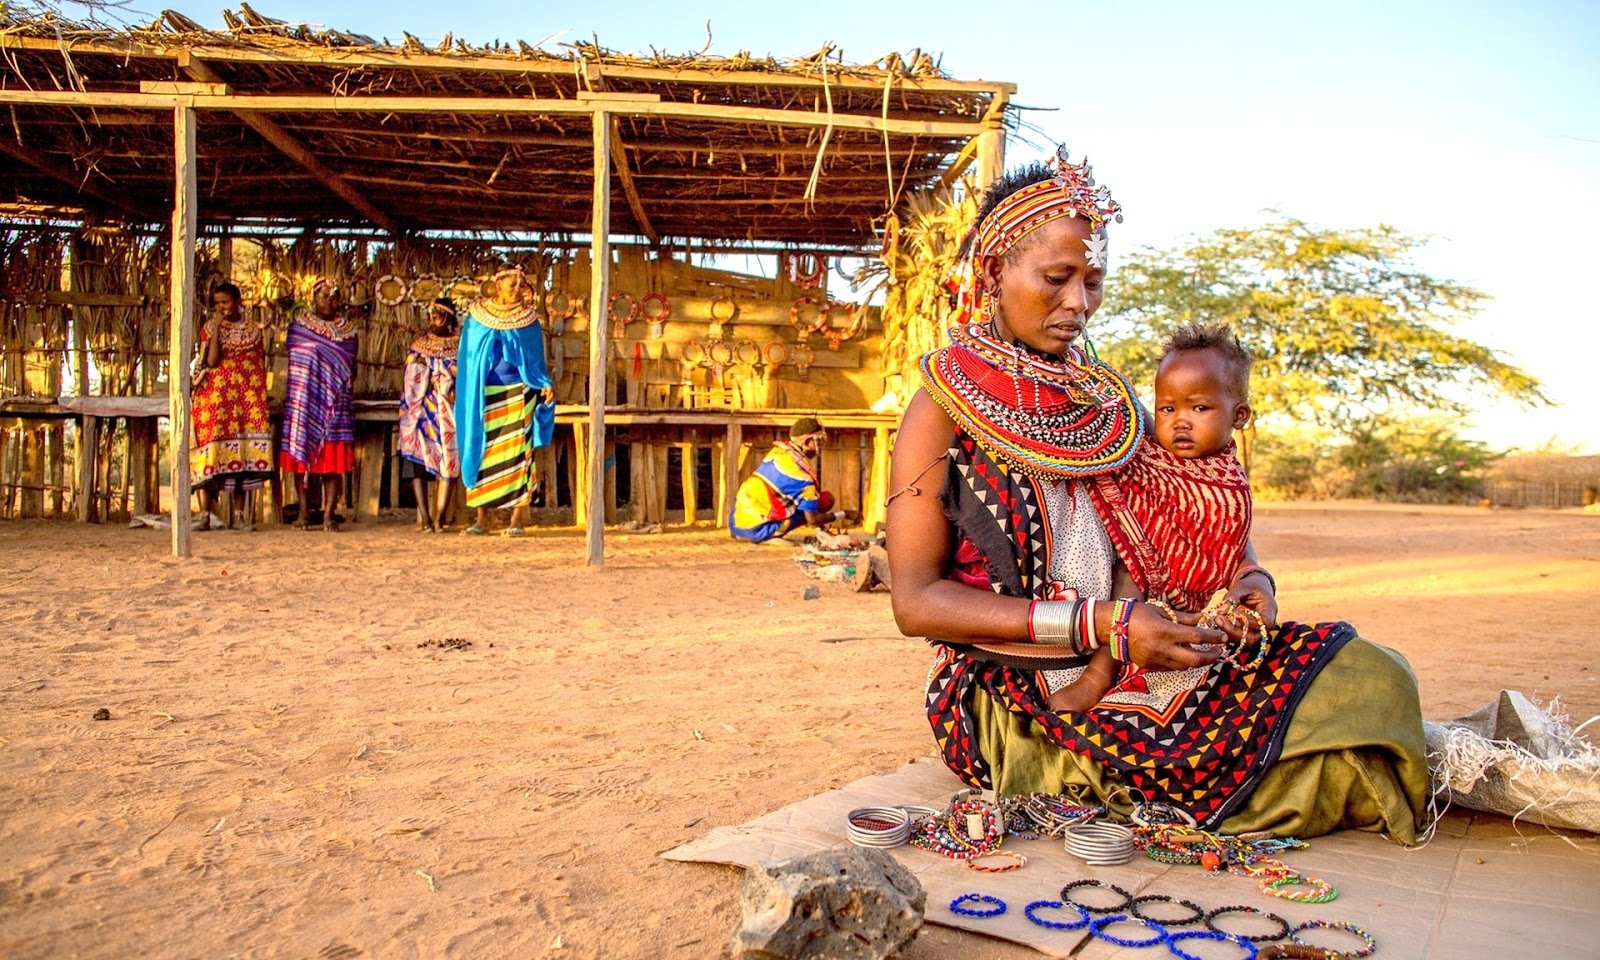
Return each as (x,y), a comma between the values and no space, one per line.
(995,541)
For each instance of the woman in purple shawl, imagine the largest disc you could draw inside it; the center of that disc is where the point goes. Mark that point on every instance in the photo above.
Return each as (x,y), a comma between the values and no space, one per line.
(319,425)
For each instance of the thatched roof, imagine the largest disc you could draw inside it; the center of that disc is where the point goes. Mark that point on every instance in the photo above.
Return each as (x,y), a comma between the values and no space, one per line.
(732,170)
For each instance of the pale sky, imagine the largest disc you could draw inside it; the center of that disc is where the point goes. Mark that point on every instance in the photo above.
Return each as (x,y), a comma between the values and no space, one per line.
(1475,124)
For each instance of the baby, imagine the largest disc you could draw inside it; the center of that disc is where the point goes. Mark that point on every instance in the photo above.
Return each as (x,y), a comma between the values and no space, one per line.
(1179,513)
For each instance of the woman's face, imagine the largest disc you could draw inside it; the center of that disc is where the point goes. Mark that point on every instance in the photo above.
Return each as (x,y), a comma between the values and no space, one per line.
(440,321)
(326,300)
(508,291)
(224,305)
(1047,289)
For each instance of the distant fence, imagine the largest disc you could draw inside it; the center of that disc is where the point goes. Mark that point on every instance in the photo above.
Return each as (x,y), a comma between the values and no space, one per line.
(1553,494)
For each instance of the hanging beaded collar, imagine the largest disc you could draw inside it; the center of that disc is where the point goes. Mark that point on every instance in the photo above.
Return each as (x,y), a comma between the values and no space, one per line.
(1049,417)
(236,334)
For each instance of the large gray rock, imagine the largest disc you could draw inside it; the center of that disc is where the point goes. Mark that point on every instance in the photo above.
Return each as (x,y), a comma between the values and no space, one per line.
(854,904)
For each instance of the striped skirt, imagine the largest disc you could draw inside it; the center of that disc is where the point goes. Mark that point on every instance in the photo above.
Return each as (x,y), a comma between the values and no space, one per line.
(505,478)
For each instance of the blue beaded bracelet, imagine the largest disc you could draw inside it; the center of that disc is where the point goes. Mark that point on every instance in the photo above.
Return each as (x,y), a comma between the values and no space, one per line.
(1098,928)
(1250,950)
(1056,924)
(999,906)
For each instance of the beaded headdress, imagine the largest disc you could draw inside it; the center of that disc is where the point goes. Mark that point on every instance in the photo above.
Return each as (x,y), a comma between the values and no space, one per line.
(1063,416)
(1071,192)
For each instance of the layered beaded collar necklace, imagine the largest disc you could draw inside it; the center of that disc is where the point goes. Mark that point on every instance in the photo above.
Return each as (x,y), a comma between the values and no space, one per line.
(337,328)
(491,314)
(433,345)
(1049,417)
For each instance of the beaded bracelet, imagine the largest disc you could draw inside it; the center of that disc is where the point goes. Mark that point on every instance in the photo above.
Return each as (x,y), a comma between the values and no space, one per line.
(1121,614)
(1350,928)
(1098,929)
(1250,952)
(1083,914)
(1294,951)
(1316,891)
(1018,861)
(1066,896)
(998,905)
(1279,934)
(1199,912)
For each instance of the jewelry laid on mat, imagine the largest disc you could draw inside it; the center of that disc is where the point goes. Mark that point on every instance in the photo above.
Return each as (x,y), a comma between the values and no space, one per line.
(995,906)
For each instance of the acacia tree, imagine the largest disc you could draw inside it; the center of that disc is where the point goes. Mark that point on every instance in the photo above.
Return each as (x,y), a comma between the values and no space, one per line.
(1342,325)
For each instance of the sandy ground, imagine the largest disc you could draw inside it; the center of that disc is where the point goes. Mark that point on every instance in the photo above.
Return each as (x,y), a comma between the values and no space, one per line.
(303,759)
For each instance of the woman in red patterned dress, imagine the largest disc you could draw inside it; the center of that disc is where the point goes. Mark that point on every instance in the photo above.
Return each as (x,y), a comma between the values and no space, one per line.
(232,447)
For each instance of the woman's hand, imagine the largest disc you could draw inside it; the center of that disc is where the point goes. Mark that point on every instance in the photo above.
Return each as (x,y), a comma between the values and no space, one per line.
(1254,590)
(1157,643)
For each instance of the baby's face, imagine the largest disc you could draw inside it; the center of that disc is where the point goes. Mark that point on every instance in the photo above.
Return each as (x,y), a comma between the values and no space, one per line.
(1196,410)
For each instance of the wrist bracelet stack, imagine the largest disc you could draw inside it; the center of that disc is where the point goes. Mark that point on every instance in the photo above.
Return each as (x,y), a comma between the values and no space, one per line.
(1063,623)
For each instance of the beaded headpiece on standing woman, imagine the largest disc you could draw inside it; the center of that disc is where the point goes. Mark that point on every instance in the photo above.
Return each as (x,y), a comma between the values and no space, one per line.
(1049,416)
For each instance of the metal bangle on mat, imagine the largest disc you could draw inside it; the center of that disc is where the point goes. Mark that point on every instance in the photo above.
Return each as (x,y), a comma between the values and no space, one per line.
(878,826)
(1100,844)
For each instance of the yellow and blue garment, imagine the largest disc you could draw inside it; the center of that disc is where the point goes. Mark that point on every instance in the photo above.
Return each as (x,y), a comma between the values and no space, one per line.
(499,422)
(775,499)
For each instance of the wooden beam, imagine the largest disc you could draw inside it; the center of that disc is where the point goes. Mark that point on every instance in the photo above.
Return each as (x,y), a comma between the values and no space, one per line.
(344,58)
(708,112)
(874,148)
(728,488)
(991,158)
(208,88)
(296,151)
(88,445)
(180,337)
(599,287)
(79,183)
(629,190)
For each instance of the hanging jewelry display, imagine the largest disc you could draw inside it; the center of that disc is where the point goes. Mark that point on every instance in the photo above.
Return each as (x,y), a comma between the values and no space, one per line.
(426,289)
(802,356)
(463,287)
(656,310)
(560,307)
(619,325)
(806,270)
(817,323)
(714,331)
(719,353)
(774,354)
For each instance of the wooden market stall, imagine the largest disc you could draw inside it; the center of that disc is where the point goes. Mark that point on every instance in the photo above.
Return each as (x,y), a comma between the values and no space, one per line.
(151,163)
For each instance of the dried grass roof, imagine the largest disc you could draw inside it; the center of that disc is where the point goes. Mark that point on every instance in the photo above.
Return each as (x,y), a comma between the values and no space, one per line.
(717,179)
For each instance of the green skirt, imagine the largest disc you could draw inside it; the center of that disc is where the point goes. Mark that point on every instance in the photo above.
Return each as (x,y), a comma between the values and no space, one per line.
(1353,756)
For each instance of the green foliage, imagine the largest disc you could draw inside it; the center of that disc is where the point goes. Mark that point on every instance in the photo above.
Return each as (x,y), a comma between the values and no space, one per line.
(1417,461)
(1342,326)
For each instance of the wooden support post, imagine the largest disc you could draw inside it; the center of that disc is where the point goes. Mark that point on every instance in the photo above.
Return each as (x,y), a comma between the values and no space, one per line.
(370,455)
(88,444)
(181,335)
(636,480)
(142,453)
(686,471)
(33,475)
(578,474)
(991,158)
(56,450)
(611,482)
(851,477)
(599,342)
(874,510)
(728,490)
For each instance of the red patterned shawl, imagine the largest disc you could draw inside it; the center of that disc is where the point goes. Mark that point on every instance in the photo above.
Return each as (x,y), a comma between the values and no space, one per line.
(1179,525)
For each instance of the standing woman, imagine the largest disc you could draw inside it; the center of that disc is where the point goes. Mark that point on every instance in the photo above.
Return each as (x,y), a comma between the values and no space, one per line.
(232,447)
(505,407)
(428,413)
(319,424)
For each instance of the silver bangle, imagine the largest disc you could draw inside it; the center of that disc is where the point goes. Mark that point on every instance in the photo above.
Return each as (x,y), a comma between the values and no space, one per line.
(1055,622)
(1091,640)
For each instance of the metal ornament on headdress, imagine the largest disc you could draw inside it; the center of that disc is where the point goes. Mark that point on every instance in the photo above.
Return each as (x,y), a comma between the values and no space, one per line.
(1070,193)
